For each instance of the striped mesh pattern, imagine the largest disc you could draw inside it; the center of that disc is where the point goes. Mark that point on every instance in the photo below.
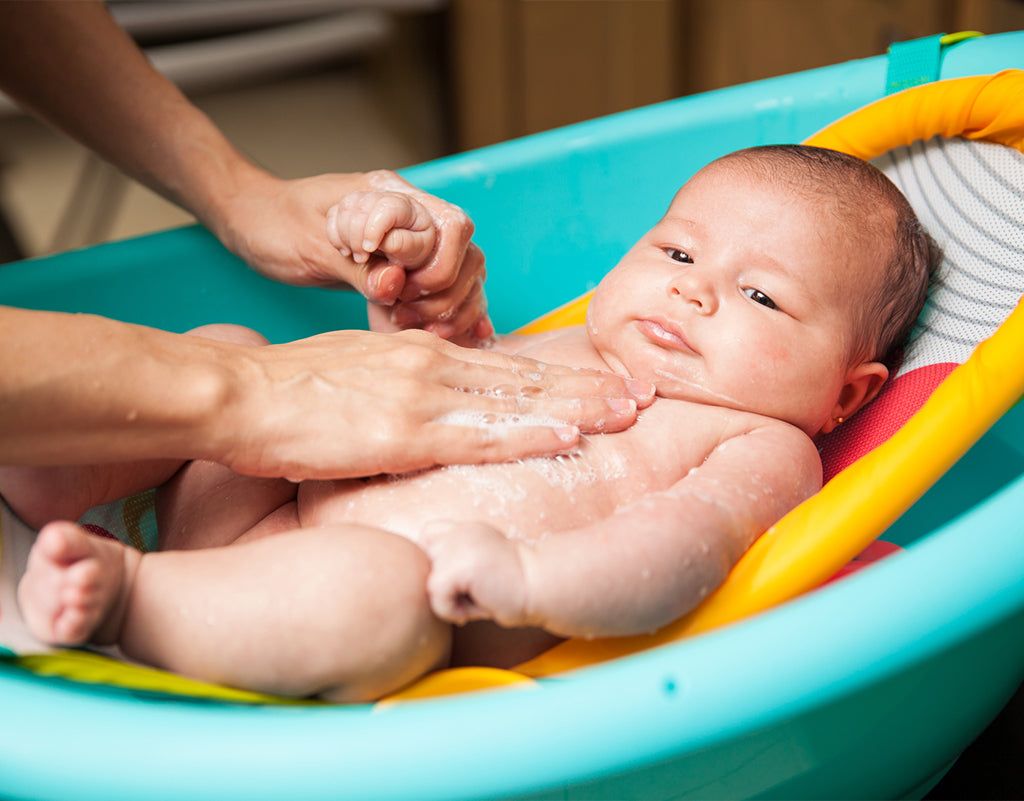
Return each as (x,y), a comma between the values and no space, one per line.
(970,197)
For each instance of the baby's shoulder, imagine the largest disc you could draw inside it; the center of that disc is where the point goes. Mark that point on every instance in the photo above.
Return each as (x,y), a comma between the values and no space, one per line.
(775,445)
(567,346)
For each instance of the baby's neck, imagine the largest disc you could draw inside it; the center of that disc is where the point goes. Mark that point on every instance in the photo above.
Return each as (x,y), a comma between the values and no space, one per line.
(570,346)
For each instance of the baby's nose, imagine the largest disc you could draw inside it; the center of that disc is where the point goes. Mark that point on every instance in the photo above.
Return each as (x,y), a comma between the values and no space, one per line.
(694,288)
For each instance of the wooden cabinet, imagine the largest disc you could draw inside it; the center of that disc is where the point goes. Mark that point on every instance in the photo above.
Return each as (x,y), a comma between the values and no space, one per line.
(521,66)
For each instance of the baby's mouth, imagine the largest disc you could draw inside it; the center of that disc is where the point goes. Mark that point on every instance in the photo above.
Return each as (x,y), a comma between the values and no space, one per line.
(665,334)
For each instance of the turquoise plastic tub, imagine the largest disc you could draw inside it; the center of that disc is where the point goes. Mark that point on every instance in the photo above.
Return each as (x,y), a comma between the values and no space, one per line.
(869,688)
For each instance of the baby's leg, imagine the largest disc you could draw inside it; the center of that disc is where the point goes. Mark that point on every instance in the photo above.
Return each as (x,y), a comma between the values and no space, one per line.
(339,611)
(207,505)
(39,495)
(76,586)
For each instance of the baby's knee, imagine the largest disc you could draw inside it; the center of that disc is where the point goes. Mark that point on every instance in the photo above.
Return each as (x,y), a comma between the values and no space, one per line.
(397,638)
(229,332)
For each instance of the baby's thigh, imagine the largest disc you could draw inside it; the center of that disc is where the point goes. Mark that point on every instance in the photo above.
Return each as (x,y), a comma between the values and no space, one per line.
(40,495)
(207,505)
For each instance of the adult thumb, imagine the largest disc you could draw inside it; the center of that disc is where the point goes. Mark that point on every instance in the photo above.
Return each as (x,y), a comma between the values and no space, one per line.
(379,281)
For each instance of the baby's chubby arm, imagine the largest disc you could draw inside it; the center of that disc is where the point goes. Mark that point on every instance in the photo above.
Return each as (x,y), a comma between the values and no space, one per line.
(642,567)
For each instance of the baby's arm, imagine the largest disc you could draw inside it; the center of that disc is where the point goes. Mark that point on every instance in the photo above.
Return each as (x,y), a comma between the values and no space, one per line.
(639,569)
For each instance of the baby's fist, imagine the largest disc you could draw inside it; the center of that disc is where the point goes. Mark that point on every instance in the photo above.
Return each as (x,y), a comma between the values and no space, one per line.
(476,574)
(391,223)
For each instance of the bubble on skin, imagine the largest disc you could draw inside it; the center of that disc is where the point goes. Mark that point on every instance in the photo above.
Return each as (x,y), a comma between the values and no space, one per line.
(566,471)
(532,392)
(451,214)
(492,420)
(502,498)
(507,391)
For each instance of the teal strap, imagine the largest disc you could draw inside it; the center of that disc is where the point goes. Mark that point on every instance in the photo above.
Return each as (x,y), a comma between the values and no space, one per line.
(912,63)
(919,60)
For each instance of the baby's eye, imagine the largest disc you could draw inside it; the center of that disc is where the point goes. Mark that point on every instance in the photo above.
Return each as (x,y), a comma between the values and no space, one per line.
(758,296)
(677,255)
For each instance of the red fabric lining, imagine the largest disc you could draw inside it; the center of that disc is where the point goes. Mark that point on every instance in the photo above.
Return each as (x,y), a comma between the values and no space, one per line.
(898,401)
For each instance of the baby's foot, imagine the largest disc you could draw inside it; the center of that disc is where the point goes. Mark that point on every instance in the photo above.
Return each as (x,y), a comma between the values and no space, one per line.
(75,588)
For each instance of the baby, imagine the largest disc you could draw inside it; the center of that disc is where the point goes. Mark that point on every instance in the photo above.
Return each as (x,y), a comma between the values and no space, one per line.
(767,306)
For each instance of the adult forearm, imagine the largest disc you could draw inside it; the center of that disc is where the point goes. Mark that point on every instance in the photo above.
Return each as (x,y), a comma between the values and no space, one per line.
(82,389)
(70,63)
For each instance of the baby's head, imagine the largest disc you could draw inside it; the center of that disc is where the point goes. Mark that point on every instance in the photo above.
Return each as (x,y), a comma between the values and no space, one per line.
(867,208)
(783,280)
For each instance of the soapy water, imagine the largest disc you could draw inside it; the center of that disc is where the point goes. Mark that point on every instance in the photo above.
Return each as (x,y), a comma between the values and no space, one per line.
(496,420)
(573,467)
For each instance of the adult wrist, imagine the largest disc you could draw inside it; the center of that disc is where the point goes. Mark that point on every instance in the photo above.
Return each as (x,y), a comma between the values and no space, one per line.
(218,386)
(216,192)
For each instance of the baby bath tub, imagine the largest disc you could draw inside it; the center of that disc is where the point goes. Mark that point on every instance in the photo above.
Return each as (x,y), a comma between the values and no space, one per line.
(867,688)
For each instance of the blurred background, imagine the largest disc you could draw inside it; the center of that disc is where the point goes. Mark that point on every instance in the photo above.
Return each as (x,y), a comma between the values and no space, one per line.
(312,86)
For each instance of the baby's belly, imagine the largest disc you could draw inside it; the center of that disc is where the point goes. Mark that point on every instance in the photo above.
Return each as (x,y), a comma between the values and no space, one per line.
(524,499)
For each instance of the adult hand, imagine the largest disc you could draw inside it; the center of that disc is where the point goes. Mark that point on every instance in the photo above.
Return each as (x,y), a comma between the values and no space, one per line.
(393,230)
(131,115)
(280,228)
(351,403)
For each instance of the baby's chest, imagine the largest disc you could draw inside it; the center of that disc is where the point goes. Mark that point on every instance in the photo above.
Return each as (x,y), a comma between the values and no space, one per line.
(532,497)
(668,440)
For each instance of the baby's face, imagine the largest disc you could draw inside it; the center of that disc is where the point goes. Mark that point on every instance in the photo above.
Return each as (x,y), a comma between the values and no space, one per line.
(743,295)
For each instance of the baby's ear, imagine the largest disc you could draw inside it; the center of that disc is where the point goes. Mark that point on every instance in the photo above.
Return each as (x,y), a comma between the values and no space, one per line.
(862,384)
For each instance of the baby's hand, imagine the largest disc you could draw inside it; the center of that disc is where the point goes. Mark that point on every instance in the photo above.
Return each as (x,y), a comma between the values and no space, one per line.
(390,224)
(476,574)
(418,267)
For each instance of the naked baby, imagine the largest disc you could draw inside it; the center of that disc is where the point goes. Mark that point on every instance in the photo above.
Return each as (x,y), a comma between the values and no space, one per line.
(766,307)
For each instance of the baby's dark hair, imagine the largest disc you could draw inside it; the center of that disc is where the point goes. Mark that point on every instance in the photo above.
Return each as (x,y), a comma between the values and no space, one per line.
(863,198)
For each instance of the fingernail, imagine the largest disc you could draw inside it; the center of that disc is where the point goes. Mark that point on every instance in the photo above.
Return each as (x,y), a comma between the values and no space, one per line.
(403,315)
(619,405)
(484,328)
(567,434)
(442,329)
(383,286)
(639,389)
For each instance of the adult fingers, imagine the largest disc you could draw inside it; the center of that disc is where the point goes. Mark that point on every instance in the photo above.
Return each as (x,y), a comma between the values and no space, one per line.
(479,370)
(445,265)
(498,412)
